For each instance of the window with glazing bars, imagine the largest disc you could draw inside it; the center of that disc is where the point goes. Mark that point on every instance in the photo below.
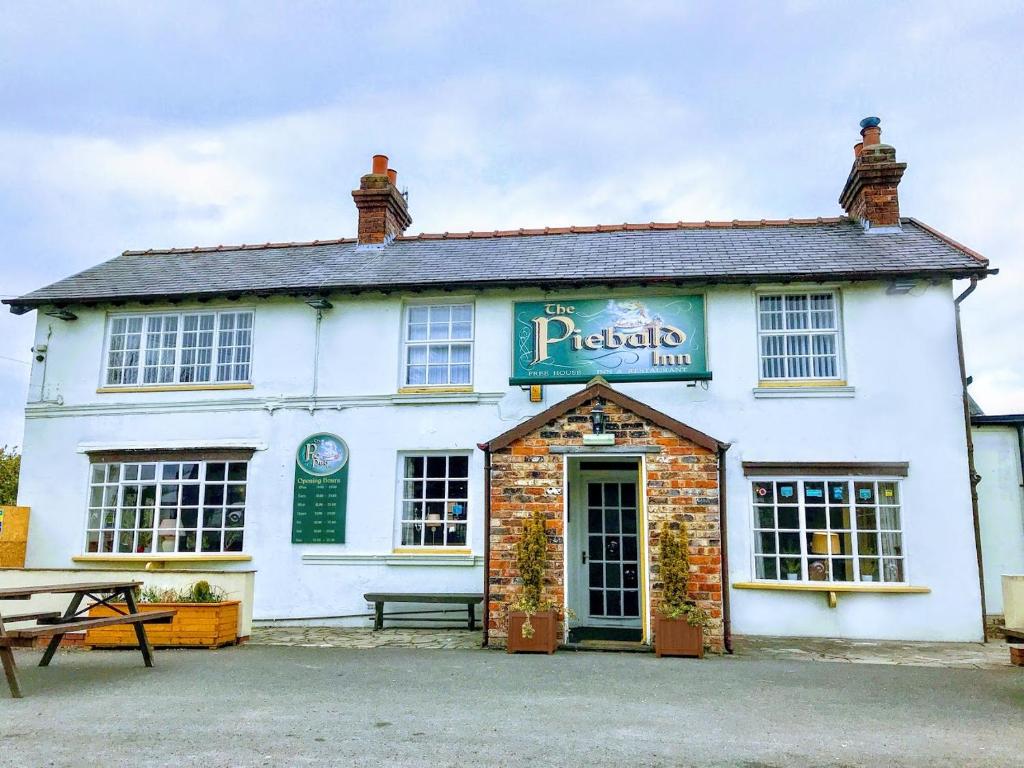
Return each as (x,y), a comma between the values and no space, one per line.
(438,345)
(166,506)
(828,529)
(179,348)
(799,335)
(434,500)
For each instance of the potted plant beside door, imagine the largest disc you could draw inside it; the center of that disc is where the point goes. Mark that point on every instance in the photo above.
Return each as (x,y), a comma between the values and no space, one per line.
(679,623)
(532,620)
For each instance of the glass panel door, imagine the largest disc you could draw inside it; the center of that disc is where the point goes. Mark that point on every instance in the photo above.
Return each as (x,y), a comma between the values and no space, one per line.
(612,553)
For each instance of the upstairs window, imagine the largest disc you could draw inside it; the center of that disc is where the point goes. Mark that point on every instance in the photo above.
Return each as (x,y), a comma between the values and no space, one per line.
(438,345)
(178,348)
(799,336)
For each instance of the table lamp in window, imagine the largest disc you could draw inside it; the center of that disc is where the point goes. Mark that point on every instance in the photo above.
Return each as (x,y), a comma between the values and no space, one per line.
(820,543)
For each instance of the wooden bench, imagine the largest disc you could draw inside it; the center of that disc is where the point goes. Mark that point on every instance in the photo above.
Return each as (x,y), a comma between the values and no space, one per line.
(470,600)
(1013,634)
(55,625)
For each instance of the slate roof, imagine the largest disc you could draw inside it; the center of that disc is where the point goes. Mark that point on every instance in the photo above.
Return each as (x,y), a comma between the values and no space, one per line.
(674,253)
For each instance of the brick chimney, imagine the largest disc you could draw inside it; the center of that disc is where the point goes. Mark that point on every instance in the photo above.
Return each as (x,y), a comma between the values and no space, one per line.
(383,213)
(870,194)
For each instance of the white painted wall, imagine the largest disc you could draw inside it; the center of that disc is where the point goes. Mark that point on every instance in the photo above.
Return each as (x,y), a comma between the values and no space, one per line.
(901,361)
(1001,507)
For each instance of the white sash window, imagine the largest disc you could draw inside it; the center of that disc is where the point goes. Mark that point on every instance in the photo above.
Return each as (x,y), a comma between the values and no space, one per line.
(438,345)
(151,350)
(799,336)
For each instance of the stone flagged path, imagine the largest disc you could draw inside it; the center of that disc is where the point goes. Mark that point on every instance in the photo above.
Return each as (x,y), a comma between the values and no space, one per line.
(359,637)
(993,655)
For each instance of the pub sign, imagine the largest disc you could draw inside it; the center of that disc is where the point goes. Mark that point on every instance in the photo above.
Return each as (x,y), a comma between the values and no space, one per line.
(657,338)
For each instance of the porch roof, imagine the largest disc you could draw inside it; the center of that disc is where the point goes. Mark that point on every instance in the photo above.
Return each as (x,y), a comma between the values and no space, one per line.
(598,387)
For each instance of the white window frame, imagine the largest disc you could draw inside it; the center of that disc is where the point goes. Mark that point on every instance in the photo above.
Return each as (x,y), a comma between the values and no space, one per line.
(98,513)
(406,342)
(837,298)
(854,531)
(178,365)
(402,497)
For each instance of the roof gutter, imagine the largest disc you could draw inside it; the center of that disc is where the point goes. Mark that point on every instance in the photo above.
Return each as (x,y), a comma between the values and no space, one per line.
(972,472)
(23,304)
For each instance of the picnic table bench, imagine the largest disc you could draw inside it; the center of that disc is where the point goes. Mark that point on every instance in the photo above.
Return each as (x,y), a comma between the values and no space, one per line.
(469,599)
(55,625)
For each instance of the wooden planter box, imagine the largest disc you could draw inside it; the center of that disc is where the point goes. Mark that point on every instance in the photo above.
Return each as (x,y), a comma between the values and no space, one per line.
(545,633)
(675,637)
(195,625)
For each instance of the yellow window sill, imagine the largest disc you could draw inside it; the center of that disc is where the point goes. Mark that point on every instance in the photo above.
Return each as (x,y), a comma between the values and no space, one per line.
(174,388)
(431,551)
(434,390)
(790,383)
(155,560)
(831,590)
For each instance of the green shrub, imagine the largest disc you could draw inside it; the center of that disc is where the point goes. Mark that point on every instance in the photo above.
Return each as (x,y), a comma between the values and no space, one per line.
(532,560)
(10,466)
(675,577)
(200,592)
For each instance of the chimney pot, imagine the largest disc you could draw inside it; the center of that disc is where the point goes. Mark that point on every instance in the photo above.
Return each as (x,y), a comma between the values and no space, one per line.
(870,131)
(393,176)
(380,165)
(857,149)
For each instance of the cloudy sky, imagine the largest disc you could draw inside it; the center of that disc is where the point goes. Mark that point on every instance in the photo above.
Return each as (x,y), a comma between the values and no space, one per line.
(137,125)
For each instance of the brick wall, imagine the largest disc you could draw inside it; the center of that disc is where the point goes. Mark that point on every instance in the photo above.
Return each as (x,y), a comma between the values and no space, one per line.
(682,485)
(871,192)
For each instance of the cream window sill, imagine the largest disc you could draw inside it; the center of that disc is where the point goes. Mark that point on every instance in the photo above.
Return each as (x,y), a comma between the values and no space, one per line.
(460,557)
(175,388)
(157,560)
(831,590)
(434,390)
(432,551)
(790,389)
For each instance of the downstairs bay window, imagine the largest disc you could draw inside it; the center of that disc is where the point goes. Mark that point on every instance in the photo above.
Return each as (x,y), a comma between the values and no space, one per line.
(828,530)
(167,506)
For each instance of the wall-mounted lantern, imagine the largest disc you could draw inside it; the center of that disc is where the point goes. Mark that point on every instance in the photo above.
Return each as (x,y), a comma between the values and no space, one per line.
(597,417)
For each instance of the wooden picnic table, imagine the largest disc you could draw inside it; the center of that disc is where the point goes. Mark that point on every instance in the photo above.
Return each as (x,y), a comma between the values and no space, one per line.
(55,625)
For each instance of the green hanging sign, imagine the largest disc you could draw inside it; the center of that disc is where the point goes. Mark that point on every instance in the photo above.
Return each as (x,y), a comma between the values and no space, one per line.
(654,338)
(321,489)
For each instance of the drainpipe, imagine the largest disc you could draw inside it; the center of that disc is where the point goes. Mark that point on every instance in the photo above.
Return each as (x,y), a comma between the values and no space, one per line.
(1020,450)
(316,361)
(487,542)
(724,533)
(971,470)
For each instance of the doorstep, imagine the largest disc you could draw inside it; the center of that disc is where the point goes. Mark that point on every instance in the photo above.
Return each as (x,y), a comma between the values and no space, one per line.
(616,646)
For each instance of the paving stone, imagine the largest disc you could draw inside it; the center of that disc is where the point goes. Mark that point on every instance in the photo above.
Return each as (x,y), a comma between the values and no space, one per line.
(993,655)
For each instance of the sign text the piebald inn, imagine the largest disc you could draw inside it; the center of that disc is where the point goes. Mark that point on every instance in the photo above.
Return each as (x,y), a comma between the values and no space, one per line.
(660,338)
